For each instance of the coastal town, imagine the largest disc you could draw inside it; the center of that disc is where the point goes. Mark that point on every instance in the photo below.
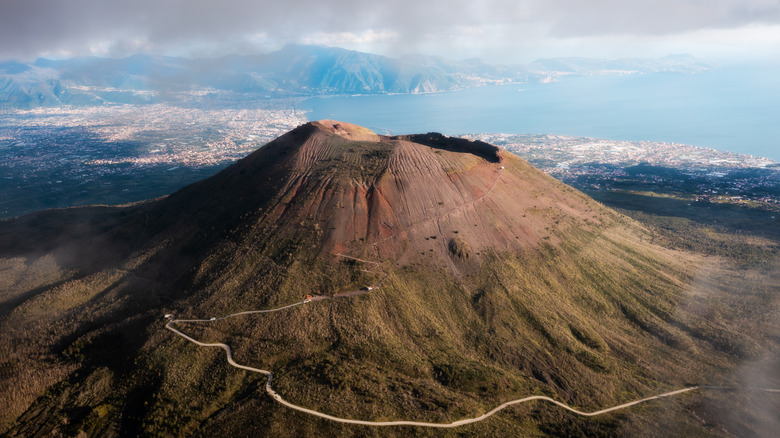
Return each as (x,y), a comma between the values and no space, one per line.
(596,164)
(64,156)
(160,133)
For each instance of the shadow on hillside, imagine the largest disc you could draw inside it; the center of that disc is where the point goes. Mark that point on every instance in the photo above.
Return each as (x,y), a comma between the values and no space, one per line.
(727,217)
(454,144)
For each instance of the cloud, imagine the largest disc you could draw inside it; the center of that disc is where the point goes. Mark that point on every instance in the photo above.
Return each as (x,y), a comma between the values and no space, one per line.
(660,17)
(29,28)
(367,36)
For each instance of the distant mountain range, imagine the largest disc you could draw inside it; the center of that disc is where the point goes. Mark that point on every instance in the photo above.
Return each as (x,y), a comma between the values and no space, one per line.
(295,70)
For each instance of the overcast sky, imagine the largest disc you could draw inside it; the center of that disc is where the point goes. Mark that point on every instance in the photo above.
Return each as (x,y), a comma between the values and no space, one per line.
(498,31)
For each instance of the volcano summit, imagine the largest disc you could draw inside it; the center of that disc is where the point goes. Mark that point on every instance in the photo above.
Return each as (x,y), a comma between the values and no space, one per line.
(497,282)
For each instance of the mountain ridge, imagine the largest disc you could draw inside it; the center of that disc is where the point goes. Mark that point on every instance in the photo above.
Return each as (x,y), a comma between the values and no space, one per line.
(294,70)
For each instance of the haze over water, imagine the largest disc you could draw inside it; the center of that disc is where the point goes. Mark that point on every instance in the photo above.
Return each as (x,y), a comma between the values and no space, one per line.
(731,109)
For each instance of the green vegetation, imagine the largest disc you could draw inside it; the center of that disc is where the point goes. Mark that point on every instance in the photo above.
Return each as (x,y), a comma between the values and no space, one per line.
(747,234)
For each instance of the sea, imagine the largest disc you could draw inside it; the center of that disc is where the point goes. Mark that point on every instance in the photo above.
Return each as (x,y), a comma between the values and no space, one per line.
(730,108)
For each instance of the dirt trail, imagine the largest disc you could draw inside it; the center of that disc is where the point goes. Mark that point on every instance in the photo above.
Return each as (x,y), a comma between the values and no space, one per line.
(278,398)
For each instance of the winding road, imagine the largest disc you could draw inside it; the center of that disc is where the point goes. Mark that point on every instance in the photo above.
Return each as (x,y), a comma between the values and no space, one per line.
(269,389)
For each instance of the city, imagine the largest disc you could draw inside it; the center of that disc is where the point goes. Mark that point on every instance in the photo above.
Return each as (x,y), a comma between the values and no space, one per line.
(689,171)
(66,156)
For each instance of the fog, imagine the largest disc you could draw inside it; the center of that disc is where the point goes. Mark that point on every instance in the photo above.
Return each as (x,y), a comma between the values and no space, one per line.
(512,30)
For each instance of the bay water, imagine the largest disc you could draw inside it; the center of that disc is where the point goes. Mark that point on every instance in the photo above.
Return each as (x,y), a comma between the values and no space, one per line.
(735,109)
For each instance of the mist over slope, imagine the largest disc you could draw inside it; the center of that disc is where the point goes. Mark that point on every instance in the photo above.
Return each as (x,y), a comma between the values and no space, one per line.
(501,282)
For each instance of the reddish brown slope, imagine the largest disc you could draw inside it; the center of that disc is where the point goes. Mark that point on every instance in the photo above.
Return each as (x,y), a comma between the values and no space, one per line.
(394,197)
(398,198)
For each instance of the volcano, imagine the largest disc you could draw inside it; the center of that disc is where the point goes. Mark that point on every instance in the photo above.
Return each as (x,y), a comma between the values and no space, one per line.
(497,282)
(390,198)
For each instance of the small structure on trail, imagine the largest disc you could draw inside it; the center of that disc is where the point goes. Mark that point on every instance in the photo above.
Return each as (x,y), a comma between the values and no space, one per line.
(307,299)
